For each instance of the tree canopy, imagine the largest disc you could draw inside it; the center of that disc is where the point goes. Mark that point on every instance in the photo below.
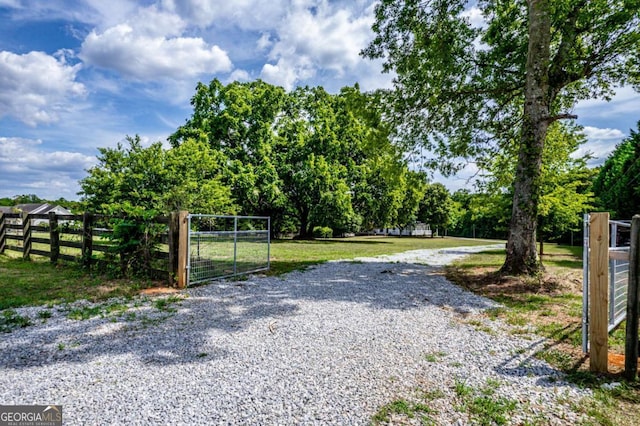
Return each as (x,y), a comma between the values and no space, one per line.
(306,158)
(467,92)
(191,176)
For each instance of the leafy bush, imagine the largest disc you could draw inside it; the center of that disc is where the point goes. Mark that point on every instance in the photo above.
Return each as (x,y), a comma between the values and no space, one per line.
(322,232)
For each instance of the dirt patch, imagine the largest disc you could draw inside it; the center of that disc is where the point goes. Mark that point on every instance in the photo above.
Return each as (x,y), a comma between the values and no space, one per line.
(156,291)
(490,283)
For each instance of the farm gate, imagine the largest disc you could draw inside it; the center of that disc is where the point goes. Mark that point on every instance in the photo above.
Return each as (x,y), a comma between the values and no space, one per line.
(226,246)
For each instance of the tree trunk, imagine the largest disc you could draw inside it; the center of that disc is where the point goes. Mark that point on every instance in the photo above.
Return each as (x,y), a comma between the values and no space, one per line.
(522,257)
(305,231)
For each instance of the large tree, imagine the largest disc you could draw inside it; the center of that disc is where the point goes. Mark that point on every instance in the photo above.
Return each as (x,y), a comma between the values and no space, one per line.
(436,207)
(466,91)
(306,158)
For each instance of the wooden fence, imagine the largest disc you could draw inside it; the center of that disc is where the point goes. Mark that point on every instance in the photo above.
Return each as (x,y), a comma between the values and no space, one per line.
(77,238)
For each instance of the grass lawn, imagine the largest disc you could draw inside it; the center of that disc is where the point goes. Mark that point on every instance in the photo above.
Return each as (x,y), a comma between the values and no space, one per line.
(288,255)
(38,282)
(551,306)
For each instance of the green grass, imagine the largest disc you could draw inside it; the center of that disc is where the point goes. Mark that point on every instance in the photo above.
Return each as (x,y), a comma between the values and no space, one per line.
(555,256)
(434,356)
(289,255)
(483,405)
(38,282)
(404,408)
(10,320)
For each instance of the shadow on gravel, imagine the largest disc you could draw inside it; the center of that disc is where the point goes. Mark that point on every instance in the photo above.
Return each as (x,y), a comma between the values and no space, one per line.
(201,327)
(517,366)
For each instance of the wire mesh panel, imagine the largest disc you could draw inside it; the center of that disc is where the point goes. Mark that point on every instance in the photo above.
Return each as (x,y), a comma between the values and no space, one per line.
(618,272)
(224,246)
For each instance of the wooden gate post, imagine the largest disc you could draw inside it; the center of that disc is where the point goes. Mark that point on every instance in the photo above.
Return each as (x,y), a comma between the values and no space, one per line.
(599,292)
(2,232)
(26,236)
(87,239)
(174,238)
(633,298)
(54,237)
(183,249)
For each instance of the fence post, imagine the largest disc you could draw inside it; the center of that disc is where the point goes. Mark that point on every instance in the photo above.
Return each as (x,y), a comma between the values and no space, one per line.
(2,233)
(599,292)
(54,237)
(633,297)
(174,238)
(87,238)
(235,245)
(183,249)
(26,235)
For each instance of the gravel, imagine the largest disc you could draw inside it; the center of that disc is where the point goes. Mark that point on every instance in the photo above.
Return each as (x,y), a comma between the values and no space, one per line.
(328,345)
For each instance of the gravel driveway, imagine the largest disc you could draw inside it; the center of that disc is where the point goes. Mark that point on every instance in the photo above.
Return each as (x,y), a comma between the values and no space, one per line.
(329,345)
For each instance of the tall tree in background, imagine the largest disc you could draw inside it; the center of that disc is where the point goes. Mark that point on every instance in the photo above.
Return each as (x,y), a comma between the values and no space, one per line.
(436,207)
(617,185)
(306,158)
(466,91)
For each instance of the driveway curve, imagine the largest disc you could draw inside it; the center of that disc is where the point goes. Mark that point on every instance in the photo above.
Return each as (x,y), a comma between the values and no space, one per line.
(329,345)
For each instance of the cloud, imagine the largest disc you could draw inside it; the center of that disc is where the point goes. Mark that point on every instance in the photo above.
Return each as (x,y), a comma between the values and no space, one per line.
(36,87)
(144,57)
(331,40)
(26,168)
(10,3)
(475,17)
(239,75)
(243,14)
(600,143)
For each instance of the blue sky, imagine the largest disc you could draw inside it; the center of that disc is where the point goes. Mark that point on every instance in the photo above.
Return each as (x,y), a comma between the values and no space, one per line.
(76,75)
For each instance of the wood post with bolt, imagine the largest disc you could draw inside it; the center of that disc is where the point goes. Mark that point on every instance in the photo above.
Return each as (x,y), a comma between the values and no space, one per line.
(599,292)
(183,249)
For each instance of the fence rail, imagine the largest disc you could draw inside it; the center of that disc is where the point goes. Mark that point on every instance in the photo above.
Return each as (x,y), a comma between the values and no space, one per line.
(77,238)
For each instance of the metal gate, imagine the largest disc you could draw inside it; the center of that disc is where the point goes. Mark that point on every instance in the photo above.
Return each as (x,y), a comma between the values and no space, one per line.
(227,246)
(619,233)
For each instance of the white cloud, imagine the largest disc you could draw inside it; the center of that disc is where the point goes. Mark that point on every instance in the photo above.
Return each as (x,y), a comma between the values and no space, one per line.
(144,55)
(264,42)
(26,168)
(475,17)
(600,143)
(287,73)
(317,36)
(239,75)
(36,87)
(243,14)
(594,133)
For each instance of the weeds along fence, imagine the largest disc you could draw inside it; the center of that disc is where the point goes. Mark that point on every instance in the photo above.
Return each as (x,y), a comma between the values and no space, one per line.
(94,240)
